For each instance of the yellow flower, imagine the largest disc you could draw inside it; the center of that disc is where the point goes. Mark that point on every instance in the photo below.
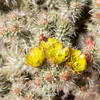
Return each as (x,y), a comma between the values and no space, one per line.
(77,61)
(35,57)
(49,43)
(54,51)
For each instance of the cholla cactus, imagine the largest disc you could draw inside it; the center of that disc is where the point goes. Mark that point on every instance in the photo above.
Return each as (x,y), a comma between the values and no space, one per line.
(64,37)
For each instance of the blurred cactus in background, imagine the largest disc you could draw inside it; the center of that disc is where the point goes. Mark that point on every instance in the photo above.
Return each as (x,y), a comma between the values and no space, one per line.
(7,5)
